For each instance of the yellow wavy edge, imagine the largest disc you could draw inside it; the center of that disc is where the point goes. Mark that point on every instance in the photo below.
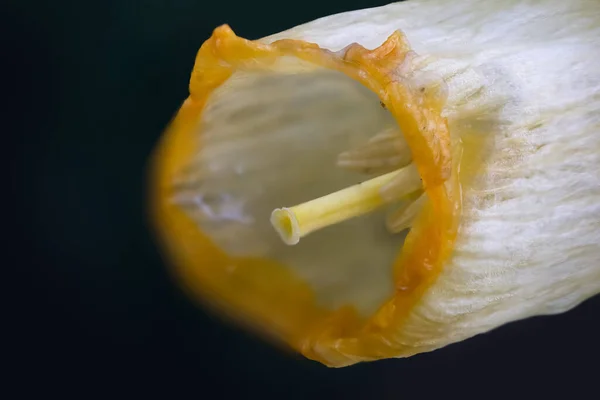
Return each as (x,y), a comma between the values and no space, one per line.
(283,306)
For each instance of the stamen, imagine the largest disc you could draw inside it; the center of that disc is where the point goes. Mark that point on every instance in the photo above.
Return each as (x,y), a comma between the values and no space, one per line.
(296,222)
(384,152)
(402,184)
(403,217)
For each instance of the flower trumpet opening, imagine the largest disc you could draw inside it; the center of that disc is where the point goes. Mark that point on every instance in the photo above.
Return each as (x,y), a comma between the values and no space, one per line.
(269,125)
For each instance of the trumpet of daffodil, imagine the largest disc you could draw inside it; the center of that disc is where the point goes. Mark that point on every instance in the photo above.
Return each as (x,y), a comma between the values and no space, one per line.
(385,182)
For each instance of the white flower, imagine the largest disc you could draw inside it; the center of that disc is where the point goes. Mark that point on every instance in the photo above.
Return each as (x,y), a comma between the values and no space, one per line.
(476,124)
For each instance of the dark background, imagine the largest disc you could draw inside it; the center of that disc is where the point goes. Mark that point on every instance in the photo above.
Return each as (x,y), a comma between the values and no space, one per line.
(88,88)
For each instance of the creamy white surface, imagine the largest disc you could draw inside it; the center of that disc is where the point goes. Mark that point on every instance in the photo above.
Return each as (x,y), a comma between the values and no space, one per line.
(528,74)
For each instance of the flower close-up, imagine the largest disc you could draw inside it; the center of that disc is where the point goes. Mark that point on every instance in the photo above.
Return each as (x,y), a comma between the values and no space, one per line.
(385,182)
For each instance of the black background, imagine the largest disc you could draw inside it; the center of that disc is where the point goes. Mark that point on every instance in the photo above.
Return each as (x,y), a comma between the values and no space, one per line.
(88,88)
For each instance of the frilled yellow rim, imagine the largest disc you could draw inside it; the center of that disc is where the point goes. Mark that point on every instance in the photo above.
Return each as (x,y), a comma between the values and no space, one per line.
(284,305)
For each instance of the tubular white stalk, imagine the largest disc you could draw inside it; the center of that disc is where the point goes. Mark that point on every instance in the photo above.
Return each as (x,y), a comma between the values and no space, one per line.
(521,85)
(524,79)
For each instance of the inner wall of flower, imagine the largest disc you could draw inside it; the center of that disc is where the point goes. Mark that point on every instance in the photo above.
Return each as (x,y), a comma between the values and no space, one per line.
(318,141)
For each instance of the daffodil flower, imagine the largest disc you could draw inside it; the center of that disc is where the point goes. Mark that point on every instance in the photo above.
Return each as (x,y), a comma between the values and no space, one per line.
(385,182)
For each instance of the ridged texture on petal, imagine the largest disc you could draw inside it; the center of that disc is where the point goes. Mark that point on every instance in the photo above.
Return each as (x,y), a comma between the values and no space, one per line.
(524,81)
